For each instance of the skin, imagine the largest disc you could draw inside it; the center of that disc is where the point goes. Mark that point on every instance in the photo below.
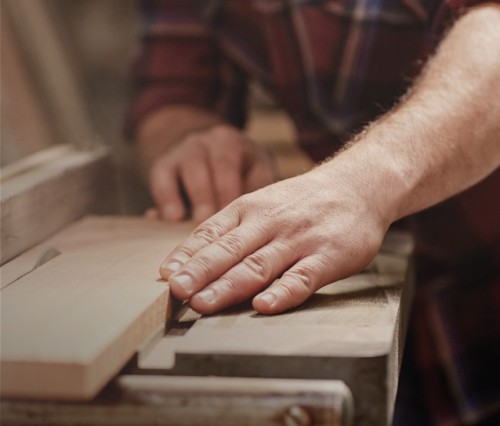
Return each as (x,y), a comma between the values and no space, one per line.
(285,241)
(213,162)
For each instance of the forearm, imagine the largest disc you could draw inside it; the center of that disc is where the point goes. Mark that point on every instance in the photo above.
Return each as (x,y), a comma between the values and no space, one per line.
(167,126)
(444,136)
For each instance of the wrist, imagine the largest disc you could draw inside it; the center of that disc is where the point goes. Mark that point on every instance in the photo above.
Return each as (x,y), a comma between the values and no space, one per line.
(373,176)
(165,127)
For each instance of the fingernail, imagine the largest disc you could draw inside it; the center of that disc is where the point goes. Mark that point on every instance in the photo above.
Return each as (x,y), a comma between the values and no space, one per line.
(183,281)
(268,298)
(207,296)
(170,267)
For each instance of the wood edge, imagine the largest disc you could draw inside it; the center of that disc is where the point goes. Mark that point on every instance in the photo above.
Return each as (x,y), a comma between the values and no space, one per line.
(18,385)
(129,343)
(34,161)
(54,164)
(16,376)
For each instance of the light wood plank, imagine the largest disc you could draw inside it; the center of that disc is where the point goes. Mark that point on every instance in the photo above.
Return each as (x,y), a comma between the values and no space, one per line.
(70,325)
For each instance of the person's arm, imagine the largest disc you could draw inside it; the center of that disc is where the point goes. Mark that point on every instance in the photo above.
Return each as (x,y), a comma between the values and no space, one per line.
(327,224)
(185,115)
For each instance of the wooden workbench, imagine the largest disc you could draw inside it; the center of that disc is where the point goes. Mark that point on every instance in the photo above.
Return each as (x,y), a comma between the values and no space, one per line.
(335,360)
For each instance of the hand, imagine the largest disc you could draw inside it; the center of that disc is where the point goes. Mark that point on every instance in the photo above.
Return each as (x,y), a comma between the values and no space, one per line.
(294,236)
(214,167)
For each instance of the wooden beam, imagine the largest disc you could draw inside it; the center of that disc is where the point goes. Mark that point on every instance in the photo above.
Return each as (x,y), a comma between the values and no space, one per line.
(53,188)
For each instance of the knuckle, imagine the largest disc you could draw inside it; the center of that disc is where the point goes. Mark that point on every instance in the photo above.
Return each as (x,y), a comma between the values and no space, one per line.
(229,285)
(300,276)
(183,254)
(231,245)
(244,204)
(224,135)
(288,289)
(205,235)
(208,232)
(257,265)
(200,265)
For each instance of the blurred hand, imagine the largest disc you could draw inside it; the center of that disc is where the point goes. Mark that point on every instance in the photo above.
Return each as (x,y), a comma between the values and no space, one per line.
(213,167)
(294,237)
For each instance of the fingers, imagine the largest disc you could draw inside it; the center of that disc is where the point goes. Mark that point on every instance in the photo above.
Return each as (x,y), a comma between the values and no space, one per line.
(209,166)
(213,260)
(226,160)
(255,272)
(294,287)
(165,190)
(196,177)
(201,237)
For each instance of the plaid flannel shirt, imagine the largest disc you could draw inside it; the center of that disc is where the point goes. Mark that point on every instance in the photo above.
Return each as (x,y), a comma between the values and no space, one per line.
(335,65)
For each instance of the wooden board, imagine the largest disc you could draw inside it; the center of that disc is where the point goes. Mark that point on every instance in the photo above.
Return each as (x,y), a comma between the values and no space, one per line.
(351,330)
(71,324)
(51,189)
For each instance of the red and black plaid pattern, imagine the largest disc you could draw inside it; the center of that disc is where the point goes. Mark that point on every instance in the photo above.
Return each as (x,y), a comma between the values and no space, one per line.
(334,65)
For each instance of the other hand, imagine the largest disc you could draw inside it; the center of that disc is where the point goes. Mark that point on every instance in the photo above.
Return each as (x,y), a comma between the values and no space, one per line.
(213,167)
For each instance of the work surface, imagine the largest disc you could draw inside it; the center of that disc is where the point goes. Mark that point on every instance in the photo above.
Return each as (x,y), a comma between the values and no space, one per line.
(85,312)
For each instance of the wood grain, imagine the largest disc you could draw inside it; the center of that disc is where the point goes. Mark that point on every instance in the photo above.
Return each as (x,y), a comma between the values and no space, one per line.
(70,325)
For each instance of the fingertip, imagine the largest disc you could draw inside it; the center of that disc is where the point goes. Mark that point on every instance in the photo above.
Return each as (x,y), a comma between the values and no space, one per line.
(173,212)
(168,268)
(181,285)
(204,302)
(266,303)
